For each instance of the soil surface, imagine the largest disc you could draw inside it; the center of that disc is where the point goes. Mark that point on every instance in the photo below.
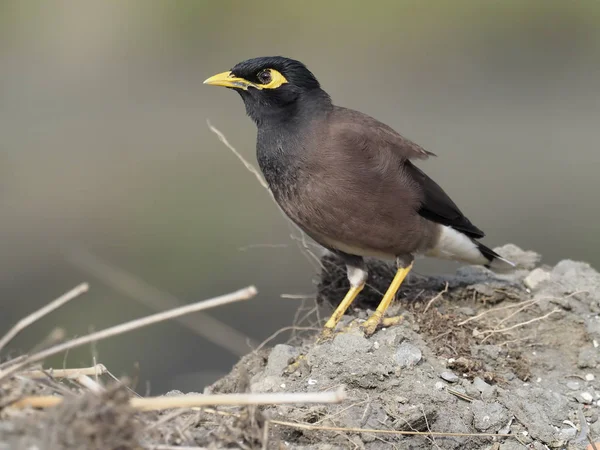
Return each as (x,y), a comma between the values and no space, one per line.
(473,352)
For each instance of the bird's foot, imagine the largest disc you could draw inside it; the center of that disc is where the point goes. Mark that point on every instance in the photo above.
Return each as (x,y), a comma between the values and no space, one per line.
(326,335)
(391,321)
(295,365)
(370,325)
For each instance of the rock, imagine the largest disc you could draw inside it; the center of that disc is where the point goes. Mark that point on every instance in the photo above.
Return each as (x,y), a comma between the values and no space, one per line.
(535,278)
(592,326)
(589,377)
(408,355)
(267,384)
(522,258)
(566,434)
(573,385)
(466,310)
(450,377)
(349,359)
(489,417)
(351,342)
(569,277)
(588,358)
(279,359)
(537,409)
(486,390)
(512,445)
(585,398)
(174,393)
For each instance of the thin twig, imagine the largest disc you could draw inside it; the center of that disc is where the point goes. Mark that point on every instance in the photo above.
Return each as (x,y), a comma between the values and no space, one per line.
(297,296)
(517,305)
(460,395)
(199,400)
(242,294)
(306,426)
(98,369)
(436,297)
(132,286)
(265,437)
(249,166)
(90,384)
(500,308)
(57,335)
(278,332)
(15,360)
(514,313)
(427,422)
(174,447)
(518,325)
(45,310)
(264,184)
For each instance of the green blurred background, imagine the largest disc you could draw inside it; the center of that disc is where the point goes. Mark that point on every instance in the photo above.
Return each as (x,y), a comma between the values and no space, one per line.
(104,148)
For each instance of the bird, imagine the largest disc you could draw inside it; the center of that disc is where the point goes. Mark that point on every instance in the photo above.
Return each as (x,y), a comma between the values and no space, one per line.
(349,181)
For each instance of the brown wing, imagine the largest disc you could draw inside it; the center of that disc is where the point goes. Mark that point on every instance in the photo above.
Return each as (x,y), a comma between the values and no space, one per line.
(357,129)
(358,125)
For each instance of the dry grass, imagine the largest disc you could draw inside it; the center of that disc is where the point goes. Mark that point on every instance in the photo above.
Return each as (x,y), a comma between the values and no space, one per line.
(74,408)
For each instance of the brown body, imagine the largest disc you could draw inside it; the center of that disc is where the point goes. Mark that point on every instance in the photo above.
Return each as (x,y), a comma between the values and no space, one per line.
(351,198)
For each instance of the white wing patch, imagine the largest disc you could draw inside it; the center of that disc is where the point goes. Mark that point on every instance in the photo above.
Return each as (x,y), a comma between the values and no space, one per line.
(454,245)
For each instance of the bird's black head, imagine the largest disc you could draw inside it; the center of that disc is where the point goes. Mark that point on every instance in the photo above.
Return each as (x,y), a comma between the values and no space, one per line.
(273,87)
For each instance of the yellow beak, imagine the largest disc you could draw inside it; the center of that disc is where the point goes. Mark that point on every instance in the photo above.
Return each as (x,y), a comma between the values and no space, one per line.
(227,79)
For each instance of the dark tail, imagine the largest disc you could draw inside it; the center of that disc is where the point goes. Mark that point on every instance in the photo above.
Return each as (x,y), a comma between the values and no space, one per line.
(496,262)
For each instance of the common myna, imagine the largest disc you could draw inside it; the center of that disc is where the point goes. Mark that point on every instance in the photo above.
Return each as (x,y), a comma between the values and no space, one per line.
(347,180)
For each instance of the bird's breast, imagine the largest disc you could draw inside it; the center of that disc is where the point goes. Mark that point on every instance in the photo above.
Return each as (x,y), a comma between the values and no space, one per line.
(279,166)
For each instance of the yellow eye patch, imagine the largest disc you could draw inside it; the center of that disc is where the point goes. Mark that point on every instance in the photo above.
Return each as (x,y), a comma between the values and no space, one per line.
(269,79)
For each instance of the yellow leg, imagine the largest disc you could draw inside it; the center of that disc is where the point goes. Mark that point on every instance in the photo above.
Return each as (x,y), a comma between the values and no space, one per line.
(340,310)
(372,322)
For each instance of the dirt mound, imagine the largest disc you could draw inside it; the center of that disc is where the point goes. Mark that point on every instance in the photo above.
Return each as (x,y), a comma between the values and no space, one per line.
(475,352)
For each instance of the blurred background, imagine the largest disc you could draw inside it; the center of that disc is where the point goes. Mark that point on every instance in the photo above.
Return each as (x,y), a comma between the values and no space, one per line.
(110,174)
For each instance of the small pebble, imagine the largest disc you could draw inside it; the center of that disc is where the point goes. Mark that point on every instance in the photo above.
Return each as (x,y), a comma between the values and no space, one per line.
(467,311)
(586,397)
(450,377)
(311,381)
(408,355)
(596,344)
(567,433)
(589,377)
(376,345)
(440,386)
(573,385)
(402,400)
(535,278)
(282,385)
(482,386)
(539,380)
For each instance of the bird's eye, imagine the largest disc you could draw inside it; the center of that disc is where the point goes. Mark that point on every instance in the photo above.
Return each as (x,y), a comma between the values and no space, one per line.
(265,76)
